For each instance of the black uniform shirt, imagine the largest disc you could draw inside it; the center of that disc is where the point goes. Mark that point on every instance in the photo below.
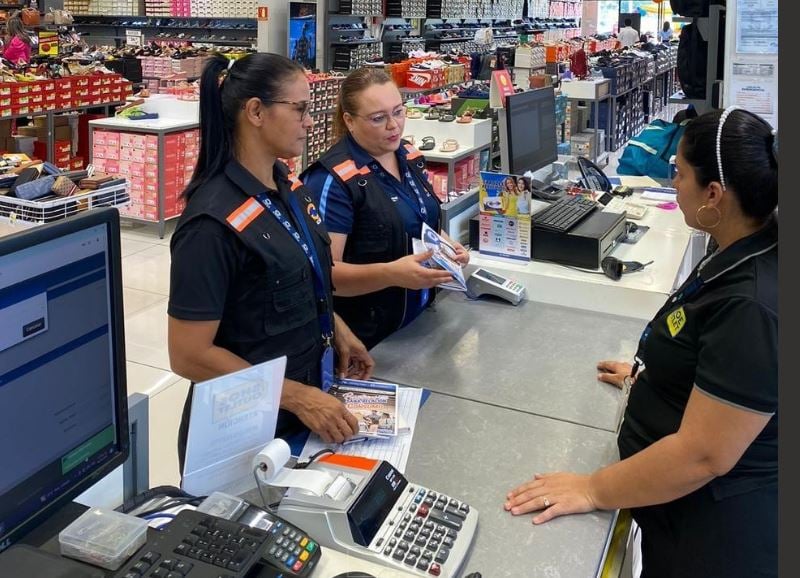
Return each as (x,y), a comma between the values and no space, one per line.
(724,341)
(264,312)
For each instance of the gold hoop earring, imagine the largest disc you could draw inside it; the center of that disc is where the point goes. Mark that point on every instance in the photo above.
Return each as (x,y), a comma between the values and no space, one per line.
(699,220)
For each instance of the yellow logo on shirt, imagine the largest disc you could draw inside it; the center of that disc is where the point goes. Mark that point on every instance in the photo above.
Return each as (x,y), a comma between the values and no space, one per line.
(676,320)
(313,213)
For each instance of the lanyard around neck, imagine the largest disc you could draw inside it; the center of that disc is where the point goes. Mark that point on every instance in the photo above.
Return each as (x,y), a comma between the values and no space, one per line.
(306,243)
(686,291)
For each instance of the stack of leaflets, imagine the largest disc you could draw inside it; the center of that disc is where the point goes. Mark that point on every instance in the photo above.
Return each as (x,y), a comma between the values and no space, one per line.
(443,257)
(373,403)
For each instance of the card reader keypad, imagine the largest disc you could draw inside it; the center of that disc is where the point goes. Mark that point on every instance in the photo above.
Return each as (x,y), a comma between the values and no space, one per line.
(423,531)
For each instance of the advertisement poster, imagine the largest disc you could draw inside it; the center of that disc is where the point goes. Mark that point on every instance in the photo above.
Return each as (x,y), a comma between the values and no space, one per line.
(303,33)
(505,221)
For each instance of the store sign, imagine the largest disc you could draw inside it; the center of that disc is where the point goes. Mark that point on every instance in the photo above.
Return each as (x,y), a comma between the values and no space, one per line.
(134,38)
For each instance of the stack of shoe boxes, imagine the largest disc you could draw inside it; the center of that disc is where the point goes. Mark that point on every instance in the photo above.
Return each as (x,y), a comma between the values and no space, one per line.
(135,156)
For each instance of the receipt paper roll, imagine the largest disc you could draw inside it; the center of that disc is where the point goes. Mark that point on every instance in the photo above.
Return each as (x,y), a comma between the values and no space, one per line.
(269,466)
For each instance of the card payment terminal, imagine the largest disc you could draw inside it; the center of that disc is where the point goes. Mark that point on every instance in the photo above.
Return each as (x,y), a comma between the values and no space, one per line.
(373,512)
(483,282)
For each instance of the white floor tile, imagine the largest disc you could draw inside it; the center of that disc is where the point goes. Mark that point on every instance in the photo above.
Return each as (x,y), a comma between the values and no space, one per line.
(131,246)
(165,417)
(146,336)
(148,380)
(145,231)
(147,270)
(136,300)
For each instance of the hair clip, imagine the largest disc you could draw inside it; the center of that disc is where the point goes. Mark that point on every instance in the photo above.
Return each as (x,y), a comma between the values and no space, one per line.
(723,117)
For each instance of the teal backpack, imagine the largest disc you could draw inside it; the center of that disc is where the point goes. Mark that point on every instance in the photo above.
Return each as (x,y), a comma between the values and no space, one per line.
(648,153)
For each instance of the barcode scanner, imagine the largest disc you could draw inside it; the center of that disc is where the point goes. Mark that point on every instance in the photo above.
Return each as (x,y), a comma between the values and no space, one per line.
(614,268)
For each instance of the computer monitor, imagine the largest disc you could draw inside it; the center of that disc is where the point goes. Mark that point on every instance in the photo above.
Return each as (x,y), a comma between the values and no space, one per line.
(528,131)
(63,394)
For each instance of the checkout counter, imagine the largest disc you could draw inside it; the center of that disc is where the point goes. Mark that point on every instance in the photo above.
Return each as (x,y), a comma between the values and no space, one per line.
(514,392)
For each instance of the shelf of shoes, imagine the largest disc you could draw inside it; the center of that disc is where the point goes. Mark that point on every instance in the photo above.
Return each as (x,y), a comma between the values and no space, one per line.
(76,7)
(324,95)
(510,9)
(164,8)
(405,8)
(351,43)
(118,7)
(361,7)
(158,7)
(400,38)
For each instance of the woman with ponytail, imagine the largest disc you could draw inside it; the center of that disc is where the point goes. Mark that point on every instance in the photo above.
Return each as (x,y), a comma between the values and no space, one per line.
(250,274)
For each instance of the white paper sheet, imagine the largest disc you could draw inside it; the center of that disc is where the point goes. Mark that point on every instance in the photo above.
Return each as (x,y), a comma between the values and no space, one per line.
(394,450)
(659,194)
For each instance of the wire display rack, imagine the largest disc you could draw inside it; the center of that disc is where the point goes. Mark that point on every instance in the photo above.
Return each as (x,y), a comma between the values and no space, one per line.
(53,208)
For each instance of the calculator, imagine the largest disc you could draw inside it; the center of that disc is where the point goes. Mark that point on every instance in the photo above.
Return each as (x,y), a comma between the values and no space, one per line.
(373,512)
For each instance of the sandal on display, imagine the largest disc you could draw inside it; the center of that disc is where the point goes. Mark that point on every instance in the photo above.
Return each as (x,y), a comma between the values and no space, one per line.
(447,117)
(413,113)
(433,114)
(465,118)
(449,145)
(409,138)
(428,143)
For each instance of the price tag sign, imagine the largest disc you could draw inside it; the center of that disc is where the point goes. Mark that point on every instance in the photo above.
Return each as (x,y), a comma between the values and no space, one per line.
(134,38)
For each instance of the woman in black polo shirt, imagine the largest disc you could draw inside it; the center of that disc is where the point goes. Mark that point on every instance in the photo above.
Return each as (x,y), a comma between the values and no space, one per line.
(250,278)
(699,443)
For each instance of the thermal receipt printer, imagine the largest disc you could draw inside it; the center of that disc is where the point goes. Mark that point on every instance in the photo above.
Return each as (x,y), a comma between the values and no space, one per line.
(370,510)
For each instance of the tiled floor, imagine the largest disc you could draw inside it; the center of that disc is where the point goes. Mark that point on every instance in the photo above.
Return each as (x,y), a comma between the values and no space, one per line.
(145,280)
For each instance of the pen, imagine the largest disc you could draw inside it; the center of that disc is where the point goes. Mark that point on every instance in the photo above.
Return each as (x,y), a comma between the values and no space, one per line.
(354,441)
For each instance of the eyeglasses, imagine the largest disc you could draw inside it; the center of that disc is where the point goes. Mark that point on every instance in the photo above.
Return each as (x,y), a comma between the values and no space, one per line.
(380,119)
(301,106)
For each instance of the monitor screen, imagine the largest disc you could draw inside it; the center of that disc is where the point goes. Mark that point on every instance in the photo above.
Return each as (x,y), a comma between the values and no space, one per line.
(303,33)
(531,130)
(63,395)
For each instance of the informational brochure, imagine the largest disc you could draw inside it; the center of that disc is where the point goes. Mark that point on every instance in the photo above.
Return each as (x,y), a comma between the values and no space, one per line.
(505,220)
(443,257)
(394,450)
(373,403)
(232,418)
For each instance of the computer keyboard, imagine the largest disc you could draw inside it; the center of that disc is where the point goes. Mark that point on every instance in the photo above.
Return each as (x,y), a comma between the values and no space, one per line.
(199,545)
(564,214)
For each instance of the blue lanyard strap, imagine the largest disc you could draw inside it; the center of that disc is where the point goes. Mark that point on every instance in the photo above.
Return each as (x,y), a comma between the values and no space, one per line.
(423,212)
(681,296)
(306,243)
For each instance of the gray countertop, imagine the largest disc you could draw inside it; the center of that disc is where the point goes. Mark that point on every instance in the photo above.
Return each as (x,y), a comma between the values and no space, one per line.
(477,452)
(535,357)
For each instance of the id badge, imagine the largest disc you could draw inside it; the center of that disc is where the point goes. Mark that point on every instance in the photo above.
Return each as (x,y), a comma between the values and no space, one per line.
(326,368)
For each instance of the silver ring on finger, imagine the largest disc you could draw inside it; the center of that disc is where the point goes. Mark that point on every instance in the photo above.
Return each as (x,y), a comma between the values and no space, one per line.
(546,501)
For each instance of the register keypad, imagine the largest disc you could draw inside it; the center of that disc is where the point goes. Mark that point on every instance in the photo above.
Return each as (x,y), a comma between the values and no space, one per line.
(425,530)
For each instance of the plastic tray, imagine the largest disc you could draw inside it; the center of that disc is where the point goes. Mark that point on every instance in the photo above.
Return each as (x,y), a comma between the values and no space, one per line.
(103,537)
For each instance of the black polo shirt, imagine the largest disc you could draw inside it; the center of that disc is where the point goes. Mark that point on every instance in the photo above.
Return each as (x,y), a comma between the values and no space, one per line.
(723,341)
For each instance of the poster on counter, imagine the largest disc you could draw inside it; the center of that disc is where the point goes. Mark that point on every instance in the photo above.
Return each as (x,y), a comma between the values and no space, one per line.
(505,221)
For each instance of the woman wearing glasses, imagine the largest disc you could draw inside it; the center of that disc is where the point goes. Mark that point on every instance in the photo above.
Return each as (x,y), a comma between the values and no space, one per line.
(250,271)
(374,196)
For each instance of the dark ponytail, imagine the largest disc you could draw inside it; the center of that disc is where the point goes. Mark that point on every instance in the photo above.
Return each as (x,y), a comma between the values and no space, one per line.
(224,89)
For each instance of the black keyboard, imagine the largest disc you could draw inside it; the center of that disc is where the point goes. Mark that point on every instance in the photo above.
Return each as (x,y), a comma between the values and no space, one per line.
(564,214)
(199,545)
